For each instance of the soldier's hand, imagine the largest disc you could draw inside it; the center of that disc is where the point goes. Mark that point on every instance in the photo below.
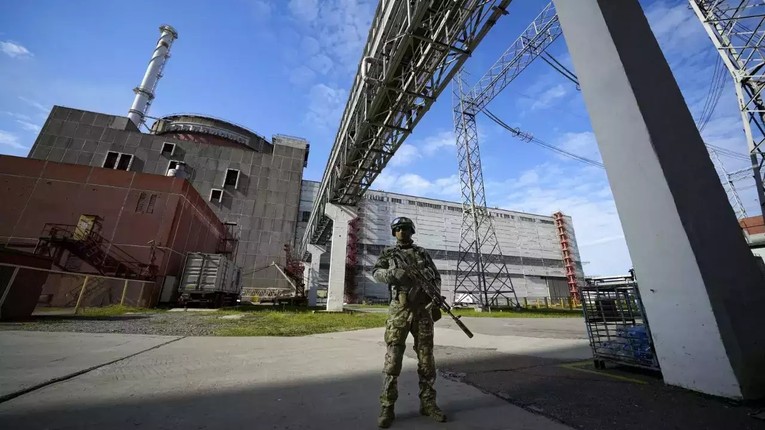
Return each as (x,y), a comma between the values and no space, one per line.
(400,277)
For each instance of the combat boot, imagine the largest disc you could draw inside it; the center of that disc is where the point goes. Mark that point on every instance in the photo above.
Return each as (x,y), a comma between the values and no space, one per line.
(430,409)
(386,417)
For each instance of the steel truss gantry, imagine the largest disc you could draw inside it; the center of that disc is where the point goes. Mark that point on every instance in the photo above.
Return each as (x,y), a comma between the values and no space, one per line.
(413,50)
(736,29)
(482,274)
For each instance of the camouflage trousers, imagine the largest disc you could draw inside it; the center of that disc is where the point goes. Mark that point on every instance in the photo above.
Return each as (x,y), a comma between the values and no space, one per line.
(401,321)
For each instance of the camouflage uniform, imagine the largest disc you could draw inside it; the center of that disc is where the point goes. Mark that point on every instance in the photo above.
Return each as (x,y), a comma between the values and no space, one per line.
(407,314)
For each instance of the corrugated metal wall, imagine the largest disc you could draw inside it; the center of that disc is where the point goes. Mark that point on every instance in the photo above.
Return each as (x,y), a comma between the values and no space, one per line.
(529,242)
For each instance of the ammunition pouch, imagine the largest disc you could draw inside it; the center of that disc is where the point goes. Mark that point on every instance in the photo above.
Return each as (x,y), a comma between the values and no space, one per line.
(435,313)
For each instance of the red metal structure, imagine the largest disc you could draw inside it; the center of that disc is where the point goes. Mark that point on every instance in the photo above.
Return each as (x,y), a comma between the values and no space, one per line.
(71,245)
(568,260)
(294,268)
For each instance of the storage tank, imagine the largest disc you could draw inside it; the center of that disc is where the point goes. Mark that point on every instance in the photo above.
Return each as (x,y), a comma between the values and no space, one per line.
(210,279)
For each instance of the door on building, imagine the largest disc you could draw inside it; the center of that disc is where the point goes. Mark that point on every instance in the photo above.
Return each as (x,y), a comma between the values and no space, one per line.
(85,225)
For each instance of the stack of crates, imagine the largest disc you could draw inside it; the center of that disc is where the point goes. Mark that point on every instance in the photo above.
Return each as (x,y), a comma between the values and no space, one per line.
(616,323)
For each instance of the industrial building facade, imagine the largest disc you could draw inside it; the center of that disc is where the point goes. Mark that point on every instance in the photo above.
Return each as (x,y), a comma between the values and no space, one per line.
(530,243)
(252,185)
(125,224)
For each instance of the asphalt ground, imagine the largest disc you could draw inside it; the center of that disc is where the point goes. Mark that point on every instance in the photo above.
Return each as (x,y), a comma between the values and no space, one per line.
(515,373)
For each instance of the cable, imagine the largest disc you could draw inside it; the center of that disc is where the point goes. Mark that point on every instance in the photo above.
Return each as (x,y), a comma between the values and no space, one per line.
(560,68)
(714,93)
(530,138)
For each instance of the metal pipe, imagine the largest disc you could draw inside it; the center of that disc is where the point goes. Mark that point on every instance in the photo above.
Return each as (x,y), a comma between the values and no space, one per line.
(124,291)
(82,292)
(144,93)
(8,289)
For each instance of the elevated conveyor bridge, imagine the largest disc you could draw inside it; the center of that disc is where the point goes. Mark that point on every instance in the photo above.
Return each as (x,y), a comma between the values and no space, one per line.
(413,50)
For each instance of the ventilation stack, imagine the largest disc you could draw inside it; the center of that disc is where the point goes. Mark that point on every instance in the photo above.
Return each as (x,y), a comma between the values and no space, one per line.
(144,93)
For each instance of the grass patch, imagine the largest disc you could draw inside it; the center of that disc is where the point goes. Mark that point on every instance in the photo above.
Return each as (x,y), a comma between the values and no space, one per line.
(302,322)
(522,313)
(114,310)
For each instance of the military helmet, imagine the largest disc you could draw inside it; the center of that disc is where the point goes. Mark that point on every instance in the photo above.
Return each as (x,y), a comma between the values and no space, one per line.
(401,221)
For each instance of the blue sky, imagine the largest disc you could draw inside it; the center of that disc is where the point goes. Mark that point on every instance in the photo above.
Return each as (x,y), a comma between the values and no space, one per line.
(286,67)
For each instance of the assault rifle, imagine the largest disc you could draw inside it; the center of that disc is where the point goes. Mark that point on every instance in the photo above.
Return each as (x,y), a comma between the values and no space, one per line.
(426,280)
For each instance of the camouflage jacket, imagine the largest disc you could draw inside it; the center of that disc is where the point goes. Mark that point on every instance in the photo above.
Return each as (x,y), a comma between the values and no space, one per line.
(385,264)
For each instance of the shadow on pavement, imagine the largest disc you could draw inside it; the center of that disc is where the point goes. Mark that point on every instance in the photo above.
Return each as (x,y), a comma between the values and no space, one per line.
(223,391)
(581,396)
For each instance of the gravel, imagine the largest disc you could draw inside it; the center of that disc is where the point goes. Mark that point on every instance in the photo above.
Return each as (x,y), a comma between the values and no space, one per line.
(160,323)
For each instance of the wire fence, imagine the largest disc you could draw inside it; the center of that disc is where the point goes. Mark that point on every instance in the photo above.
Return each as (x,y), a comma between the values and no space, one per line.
(26,289)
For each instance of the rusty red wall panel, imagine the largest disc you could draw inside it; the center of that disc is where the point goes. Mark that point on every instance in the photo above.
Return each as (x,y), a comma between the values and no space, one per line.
(14,192)
(753,225)
(21,166)
(66,172)
(114,178)
(180,220)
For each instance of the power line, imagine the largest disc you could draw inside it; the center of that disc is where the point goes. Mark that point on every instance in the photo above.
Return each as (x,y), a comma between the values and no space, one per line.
(560,68)
(530,138)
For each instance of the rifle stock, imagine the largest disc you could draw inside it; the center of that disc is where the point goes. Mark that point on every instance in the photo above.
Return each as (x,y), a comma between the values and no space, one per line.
(431,288)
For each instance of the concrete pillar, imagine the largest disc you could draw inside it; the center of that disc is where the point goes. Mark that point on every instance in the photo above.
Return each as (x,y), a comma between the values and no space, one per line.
(701,288)
(311,273)
(341,216)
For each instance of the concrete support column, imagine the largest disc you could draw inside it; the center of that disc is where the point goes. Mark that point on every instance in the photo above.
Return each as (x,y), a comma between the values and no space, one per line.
(702,291)
(311,273)
(341,216)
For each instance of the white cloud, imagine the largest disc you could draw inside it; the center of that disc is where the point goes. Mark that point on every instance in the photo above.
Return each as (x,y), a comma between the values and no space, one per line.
(336,28)
(413,184)
(581,144)
(304,10)
(405,155)
(9,139)
(14,50)
(417,150)
(581,193)
(678,30)
(550,96)
(20,116)
(28,126)
(321,63)
(301,75)
(37,105)
(262,9)
(443,140)
(325,105)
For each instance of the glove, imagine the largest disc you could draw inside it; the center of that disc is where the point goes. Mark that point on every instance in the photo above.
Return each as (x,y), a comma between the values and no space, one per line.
(398,277)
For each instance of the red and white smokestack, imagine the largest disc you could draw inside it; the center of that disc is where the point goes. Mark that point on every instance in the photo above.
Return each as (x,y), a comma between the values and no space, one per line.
(144,93)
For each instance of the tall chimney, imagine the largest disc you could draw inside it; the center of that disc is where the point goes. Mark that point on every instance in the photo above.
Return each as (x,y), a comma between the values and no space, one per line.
(144,93)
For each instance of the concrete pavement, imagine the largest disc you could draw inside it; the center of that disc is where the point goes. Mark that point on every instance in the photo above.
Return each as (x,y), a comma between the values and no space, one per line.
(30,359)
(327,381)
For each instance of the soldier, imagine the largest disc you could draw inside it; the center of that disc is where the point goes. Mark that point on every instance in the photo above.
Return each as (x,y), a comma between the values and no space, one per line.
(407,313)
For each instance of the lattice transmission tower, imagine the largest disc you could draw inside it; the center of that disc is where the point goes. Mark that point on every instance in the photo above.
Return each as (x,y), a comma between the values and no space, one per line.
(482,273)
(736,29)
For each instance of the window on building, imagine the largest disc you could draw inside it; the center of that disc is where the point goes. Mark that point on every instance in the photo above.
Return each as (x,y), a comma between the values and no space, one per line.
(173,164)
(395,200)
(140,206)
(216,195)
(111,159)
(145,203)
(546,221)
(118,161)
(527,219)
(152,202)
(232,178)
(305,216)
(168,149)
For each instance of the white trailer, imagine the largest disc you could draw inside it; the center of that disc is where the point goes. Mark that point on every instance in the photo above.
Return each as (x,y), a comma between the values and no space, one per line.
(210,279)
